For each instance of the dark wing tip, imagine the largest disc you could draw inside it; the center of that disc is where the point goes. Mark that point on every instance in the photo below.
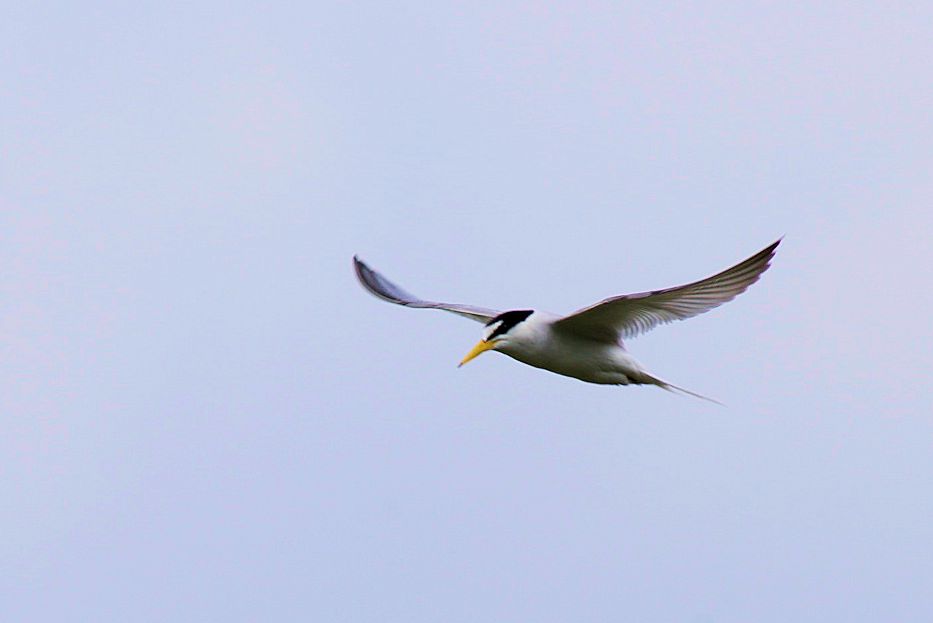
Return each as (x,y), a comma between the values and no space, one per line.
(771,248)
(380,287)
(367,277)
(360,268)
(769,252)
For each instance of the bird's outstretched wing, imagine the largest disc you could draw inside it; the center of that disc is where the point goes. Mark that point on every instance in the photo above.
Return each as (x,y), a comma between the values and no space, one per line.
(386,290)
(631,314)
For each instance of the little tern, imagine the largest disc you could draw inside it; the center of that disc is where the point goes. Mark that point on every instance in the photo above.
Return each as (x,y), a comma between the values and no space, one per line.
(587,344)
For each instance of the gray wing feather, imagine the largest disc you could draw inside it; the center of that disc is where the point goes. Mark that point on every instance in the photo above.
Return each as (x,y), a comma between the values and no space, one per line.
(381,287)
(631,314)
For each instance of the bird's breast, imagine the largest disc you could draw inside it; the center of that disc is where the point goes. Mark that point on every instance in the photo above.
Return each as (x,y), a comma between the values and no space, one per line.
(587,360)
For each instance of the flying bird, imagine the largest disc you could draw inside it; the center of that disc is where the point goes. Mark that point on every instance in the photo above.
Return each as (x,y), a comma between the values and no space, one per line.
(587,344)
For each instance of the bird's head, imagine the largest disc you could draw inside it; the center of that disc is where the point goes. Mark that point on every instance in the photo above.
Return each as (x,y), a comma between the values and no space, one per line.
(497,333)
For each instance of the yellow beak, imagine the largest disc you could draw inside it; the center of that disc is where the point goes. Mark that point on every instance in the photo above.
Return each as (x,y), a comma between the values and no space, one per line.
(479,349)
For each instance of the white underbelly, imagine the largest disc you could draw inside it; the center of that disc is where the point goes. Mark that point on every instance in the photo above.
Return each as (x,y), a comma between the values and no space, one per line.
(594,362)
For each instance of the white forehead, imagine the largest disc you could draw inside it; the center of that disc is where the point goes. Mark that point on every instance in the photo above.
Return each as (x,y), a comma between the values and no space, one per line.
(491,329)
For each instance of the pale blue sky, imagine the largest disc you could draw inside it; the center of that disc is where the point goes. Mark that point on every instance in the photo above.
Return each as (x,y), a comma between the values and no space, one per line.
(205,418)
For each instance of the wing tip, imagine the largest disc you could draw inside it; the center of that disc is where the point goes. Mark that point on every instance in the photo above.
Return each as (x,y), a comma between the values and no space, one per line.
(769,252)
(772,248)
(358,267)
(369,279)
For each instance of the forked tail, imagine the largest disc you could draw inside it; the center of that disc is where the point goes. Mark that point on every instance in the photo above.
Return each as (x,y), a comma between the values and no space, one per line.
(652,380)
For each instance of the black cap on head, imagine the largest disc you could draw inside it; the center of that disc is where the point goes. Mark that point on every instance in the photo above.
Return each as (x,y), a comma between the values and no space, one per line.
(508,320)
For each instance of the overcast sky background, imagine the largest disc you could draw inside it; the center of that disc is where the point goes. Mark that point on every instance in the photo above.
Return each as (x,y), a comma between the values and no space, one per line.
(204,417)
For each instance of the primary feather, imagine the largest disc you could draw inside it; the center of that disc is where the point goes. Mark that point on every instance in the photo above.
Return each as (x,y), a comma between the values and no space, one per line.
(381,287)
(629,315)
